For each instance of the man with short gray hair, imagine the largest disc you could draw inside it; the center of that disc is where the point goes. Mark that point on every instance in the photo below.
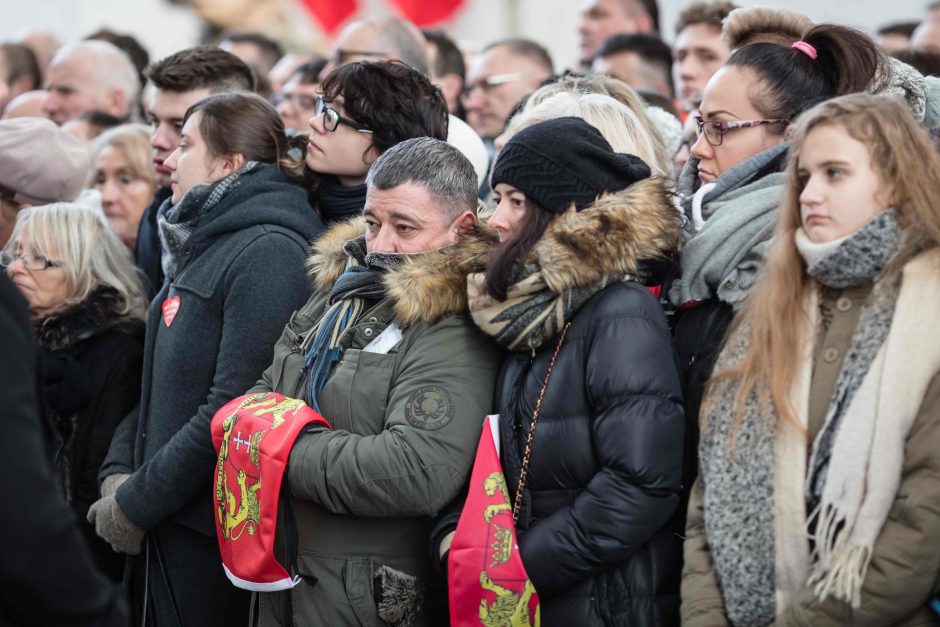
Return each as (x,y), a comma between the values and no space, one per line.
(90,76)
(386,352)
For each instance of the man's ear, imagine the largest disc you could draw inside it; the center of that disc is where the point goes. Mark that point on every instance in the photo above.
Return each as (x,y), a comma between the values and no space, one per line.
(464,223)
(116,103)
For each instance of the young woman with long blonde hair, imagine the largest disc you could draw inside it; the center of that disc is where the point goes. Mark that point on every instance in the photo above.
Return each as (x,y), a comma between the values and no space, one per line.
(816,502)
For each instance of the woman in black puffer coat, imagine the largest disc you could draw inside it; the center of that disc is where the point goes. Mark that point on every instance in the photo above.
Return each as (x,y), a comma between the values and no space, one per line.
(594,529)
(88,306)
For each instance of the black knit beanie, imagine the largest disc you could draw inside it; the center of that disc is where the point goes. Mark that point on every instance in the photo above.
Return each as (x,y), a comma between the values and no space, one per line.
(563,161)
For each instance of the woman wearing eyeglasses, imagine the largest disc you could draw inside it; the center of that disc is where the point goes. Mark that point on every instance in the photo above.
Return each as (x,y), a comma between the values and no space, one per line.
(731,185)
(366,108)
(88,306)
(235,234)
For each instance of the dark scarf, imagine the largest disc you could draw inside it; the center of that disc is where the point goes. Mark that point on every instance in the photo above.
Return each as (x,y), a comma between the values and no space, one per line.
(176,223)
(361,282)
(62,329)
(336,202)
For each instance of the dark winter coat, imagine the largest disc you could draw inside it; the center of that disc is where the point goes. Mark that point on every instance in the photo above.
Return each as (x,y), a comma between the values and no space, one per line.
(147,249)
(241,276)
(604,477)
(365,494)
(91,380)
(48,575)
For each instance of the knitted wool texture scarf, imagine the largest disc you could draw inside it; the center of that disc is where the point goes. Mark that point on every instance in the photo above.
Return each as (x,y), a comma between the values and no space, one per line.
(753,522)
(531,315)
(176,223)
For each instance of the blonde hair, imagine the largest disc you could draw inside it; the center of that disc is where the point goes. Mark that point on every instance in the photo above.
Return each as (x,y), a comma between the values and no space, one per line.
(901,152)
(92,256)
(617,123)
(133,140)
(582,85)
(763,25)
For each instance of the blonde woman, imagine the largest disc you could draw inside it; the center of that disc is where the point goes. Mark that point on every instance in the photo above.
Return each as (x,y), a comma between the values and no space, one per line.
(817,498)
(619,124)
(123,173)
(82,289)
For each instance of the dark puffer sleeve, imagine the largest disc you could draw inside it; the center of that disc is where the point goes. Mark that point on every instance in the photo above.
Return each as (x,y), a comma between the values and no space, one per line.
(632,383)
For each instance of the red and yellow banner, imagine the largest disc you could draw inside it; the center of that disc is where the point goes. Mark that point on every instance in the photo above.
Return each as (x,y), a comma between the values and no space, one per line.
(489,586)
(253,436)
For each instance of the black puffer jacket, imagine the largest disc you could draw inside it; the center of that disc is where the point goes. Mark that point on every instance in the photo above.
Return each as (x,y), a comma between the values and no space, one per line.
(604,479)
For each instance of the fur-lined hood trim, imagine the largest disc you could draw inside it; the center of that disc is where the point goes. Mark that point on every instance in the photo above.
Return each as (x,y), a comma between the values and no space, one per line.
(426,287)
(102,310)
(610,238)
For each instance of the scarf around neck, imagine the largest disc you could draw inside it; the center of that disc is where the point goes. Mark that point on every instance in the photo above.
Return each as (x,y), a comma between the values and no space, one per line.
(338,202)
(728,229)
(755,525)
(361,282)
(176,223)
(531,315)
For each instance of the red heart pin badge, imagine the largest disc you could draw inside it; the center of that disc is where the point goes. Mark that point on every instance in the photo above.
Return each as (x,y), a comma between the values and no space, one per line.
(170,307)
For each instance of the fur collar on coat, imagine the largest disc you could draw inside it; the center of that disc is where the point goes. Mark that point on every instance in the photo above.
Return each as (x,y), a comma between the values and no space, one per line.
(426,287)
(100,311)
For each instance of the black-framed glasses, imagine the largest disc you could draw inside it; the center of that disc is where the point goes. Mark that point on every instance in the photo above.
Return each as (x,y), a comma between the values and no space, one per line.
(332,119)
(303,101)
(714,130)
(30,262)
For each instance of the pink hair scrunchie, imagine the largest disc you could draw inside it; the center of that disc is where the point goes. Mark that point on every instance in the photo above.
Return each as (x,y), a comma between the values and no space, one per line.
(805,48)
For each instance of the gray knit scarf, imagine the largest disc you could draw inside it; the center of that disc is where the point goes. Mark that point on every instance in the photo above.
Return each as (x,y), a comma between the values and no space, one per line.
(531,315)
(176,223)
(722,257)
(739,485)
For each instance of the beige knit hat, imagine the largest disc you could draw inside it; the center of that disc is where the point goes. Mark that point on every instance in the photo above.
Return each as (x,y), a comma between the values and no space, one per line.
(40,163)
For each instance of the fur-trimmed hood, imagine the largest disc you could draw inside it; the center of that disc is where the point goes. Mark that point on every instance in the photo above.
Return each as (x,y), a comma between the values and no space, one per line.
(100,311)
(610,238)
(427,287)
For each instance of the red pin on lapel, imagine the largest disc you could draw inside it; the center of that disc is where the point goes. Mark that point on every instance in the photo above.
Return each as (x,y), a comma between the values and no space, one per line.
(170,307)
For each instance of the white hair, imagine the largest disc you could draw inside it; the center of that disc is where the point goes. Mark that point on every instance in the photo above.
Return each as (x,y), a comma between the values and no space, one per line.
(619,125)
(113,69)
(92,256)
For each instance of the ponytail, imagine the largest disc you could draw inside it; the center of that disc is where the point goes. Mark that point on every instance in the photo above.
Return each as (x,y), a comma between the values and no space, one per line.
(792,81)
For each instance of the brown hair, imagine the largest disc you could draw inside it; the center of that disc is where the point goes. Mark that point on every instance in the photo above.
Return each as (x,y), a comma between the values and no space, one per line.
(763,24)
(902,154)
(711,13)
(247,124)
(203,67)
(508,257)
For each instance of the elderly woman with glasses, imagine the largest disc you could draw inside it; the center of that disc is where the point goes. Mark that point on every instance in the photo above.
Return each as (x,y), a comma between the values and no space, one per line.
(366,108)
(88,306)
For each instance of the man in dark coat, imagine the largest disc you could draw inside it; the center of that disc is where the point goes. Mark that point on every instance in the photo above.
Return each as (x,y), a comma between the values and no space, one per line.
(47,570)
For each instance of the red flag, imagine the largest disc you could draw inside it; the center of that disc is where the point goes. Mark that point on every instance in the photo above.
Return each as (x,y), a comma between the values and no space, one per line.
(331,13)
(488,583)
(427,12)
(253,435)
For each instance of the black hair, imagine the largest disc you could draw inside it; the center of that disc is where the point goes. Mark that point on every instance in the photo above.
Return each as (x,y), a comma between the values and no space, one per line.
(309,72)
(899,28)
(791,81)
(651,49)
(449,59)
(391,99)
(269,48)
(927,62)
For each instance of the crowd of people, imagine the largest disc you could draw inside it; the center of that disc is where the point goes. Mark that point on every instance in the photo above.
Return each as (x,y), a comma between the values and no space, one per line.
(696,282)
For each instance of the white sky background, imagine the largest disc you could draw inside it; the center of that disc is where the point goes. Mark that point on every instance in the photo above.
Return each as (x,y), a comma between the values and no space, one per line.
(164,28)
